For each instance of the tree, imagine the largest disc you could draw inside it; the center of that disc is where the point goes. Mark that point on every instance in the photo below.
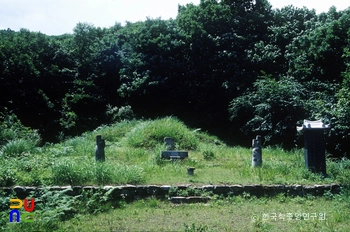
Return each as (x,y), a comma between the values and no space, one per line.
(289,23)
(272,109)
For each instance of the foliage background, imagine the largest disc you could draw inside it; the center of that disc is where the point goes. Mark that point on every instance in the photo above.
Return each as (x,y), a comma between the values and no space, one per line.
(234,68)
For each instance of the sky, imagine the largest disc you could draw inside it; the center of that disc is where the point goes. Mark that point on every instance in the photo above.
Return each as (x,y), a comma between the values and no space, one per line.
(56,17)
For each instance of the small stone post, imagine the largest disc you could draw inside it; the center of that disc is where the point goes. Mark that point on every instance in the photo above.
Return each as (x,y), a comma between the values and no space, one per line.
(257,152)
(100,149)
(169,143)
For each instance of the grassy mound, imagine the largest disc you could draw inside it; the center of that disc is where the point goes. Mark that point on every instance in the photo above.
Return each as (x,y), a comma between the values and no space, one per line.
(149,134)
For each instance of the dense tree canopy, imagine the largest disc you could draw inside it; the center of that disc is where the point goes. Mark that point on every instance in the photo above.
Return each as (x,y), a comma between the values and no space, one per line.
(238,68)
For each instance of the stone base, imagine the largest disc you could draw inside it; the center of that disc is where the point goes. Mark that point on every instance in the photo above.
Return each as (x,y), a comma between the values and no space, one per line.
(174,154)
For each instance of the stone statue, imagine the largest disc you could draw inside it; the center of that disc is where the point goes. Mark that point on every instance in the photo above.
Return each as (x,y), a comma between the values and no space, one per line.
(100,148)
(257,152)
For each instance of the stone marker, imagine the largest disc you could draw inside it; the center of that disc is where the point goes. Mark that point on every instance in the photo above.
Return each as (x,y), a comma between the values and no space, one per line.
(100,149)
(315,158)
(257,152)
(170,153)
(169,143)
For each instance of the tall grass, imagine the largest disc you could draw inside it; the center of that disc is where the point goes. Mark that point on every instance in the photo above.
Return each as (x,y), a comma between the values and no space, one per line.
(148,134)
(18,148)
(82,172)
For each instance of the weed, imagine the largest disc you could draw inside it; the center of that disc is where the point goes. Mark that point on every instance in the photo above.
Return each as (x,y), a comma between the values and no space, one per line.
(194,228)
(208,155)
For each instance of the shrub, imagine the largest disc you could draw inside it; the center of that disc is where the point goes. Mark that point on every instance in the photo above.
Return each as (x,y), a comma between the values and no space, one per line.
(120,113)
(7,176)
(11,128)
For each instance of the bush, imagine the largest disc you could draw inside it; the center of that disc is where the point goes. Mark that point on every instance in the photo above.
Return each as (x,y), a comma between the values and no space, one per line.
(11,128)
(7,176)
(120,113)
(272,109)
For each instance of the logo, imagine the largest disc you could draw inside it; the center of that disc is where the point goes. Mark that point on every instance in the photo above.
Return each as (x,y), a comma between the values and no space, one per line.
(27,216)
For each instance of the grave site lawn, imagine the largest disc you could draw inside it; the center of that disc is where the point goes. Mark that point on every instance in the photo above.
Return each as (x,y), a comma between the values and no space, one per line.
(233,214)
(133,157)
(239,213)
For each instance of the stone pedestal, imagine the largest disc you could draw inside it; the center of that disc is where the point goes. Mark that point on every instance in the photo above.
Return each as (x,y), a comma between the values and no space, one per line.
(174,154)
(190,171)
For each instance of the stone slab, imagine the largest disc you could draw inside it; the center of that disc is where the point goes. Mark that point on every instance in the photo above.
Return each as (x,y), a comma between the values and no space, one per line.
(174,154)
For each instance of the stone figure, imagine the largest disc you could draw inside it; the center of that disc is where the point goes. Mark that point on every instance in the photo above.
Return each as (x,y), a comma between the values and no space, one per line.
(100,148)
(257,152)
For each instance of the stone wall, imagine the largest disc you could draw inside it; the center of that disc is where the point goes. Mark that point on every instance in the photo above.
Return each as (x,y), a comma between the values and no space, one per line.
(132,192)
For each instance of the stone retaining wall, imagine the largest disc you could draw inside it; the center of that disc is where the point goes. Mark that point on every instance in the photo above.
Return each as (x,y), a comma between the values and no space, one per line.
(142,191)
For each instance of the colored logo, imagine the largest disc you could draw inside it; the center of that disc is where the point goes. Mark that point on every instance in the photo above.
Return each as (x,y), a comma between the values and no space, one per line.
(27,216)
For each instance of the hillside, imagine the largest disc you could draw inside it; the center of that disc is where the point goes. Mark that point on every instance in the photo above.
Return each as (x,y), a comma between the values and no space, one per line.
(133,151)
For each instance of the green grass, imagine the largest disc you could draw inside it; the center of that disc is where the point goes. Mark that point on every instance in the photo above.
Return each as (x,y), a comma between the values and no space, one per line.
(240,213)
(133,156)
(234,214)
(149,134)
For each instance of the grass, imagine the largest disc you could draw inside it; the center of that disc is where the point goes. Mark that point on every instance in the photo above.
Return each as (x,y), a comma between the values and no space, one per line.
(239,213)
(133,156)
(221,215)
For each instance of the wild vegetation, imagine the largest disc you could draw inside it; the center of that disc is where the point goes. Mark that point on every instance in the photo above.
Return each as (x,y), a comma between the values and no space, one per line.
(234,68)
(225,70)
(133,157)
(94,212)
